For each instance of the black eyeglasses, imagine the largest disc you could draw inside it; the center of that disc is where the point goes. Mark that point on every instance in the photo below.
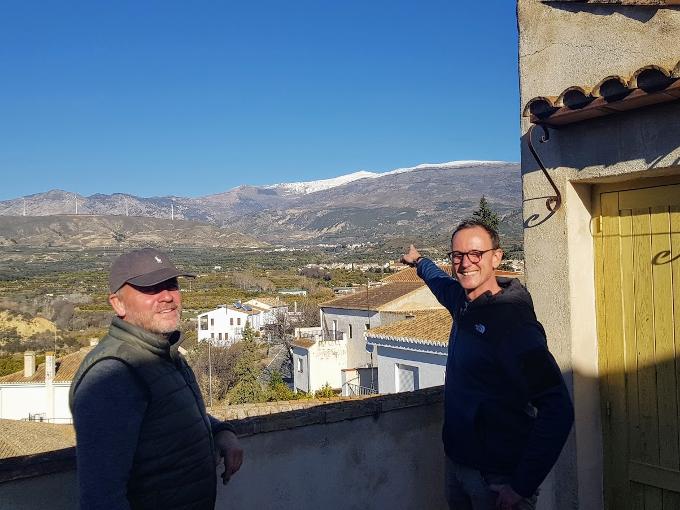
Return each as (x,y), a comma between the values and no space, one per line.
(473,256)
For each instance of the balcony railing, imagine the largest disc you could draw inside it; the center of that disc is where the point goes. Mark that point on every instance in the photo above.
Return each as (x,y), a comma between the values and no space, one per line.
(354,390)
(333,335)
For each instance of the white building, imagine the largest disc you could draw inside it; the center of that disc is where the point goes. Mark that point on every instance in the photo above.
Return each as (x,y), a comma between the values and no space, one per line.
(411,353)
(40,393)
(273,309)
(224,325)
(317,362)
(351,316)
(345,320)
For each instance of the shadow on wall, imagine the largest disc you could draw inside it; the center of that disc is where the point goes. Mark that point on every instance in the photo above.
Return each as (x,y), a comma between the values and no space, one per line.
(641,13)
(639,425)
(649,134)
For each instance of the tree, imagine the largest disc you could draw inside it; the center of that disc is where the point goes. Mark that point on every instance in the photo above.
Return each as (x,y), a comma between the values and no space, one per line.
(486,215)
(247,371)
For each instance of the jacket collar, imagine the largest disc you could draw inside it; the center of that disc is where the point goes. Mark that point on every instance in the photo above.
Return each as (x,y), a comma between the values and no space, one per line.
(159,345)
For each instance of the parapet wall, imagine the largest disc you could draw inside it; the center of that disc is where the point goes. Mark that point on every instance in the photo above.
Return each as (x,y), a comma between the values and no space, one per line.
(372,453)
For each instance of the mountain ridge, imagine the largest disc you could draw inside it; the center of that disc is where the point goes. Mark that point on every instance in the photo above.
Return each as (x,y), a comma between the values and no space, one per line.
(425,199)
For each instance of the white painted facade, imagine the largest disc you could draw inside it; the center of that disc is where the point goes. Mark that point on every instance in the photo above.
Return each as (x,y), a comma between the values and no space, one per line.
(224,325)
(42,400)
(46,401)
(319,364)
(350,325)
(425,362)
(270,313)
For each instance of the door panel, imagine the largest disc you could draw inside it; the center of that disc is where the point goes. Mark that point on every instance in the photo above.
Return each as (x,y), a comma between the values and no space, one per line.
(637,251)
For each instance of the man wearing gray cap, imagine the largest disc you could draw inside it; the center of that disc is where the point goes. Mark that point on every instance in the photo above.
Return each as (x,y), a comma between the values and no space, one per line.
(144,439)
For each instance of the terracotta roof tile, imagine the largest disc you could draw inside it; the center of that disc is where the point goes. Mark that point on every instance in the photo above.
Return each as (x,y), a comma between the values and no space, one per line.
(373,298)
(65,370)
(429,327)
(650,84)
(18,438)
(409,274)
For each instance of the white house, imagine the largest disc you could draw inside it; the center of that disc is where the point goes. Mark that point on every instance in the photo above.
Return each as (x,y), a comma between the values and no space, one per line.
(224,325)
(339,355)
(40,393)
(411,353)
(272,309)
(350,316)
(317,363)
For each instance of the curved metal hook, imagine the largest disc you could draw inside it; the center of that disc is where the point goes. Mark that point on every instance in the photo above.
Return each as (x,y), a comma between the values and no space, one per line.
(552,203)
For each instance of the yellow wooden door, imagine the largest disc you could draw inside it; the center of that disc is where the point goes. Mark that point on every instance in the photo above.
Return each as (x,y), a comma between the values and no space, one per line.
(637,259)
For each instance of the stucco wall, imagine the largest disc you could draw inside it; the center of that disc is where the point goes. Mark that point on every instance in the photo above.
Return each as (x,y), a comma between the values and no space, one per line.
(301,369)
(431,367)
(564,44)
(376,453)
(356,346)
(326,361)
(420,299)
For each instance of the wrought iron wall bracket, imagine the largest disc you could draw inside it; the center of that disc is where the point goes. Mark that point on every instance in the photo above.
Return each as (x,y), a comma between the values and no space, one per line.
(554,202)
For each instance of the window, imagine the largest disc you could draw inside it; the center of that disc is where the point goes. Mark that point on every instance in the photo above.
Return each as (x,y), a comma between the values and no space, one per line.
(212,322)
(367,326)
(212,335)
(238,321)
(299,364)
(231,321)
(203,322)
(219,336)
(350,330)
(406,377)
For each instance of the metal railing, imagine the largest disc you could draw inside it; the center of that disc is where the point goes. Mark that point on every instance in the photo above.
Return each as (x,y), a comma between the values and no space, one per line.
(333,335)
(356,390)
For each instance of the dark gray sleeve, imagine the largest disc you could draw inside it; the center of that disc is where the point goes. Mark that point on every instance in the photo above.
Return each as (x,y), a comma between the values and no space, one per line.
(218,425)
(108,409)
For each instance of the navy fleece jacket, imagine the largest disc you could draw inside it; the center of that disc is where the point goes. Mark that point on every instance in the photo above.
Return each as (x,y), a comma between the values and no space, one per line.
(507,409)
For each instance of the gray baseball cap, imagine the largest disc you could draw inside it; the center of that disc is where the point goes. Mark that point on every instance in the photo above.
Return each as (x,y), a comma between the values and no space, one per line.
(144,268)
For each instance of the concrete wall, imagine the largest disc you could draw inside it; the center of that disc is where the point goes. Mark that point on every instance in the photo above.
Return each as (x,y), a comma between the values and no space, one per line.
(326,360)
(564,44)
(17,401)
(431,367)
(375,453)
(356,346)
(301,375)
(420,299)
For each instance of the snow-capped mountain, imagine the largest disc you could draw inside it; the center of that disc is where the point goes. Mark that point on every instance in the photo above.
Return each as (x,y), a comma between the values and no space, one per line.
(427,199)
(307,187)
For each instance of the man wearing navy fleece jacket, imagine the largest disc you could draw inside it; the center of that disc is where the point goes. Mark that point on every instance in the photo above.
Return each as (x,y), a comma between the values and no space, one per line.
(507,409)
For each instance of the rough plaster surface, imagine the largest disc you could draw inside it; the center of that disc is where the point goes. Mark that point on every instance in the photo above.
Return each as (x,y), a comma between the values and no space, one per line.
(373,453)
(394,460)
(54,492)
(561,45)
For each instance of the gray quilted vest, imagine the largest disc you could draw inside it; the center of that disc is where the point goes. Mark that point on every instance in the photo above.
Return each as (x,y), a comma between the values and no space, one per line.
(174,466)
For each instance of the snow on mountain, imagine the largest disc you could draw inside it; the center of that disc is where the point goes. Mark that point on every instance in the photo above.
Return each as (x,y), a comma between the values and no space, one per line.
(307,187)
(322,184)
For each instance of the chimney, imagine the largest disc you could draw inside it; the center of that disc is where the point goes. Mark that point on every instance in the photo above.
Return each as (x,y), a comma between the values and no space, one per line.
(50,366)
(29,363)
(94,341)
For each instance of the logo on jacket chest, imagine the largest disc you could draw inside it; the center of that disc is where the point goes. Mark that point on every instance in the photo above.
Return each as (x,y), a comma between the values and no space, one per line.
(480,328)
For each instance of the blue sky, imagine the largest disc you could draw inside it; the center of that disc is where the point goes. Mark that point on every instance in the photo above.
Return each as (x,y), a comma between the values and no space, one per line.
(193,98)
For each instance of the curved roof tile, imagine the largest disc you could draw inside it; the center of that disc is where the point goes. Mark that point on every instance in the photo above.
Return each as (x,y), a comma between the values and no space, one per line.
(650,84)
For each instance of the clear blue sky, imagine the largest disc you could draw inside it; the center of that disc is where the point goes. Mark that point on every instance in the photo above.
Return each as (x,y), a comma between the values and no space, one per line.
(193,98)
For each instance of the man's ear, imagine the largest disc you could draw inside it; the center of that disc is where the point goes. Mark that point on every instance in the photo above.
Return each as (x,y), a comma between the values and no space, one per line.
(117,304)
(497,257)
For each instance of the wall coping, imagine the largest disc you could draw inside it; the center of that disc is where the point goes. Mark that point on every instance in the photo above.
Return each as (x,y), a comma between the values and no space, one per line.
(41,464)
